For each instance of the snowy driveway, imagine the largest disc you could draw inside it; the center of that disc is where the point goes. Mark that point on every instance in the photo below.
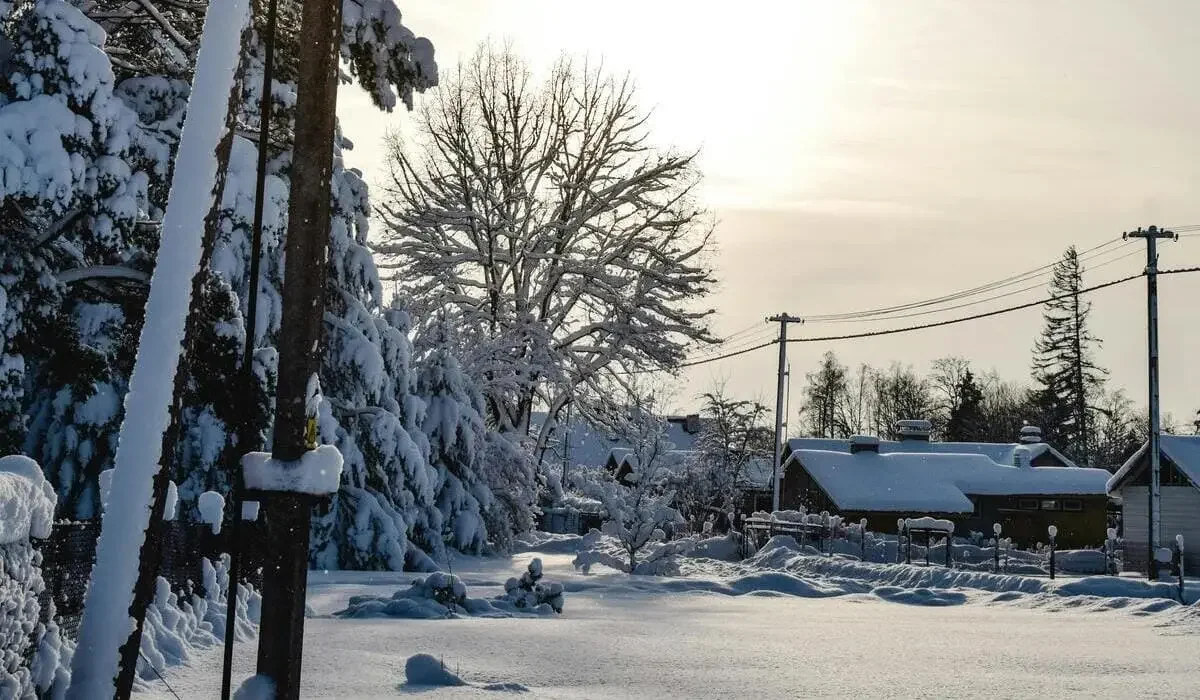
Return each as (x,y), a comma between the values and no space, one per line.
(618,640)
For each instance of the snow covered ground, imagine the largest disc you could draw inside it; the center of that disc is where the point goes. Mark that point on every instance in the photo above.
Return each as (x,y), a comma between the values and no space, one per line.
(733,630)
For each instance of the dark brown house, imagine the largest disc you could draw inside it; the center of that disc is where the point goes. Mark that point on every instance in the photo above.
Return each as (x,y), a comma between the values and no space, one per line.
(1025,487)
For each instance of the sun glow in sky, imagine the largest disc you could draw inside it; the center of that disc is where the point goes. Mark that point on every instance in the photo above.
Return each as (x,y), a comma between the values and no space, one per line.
(867,153)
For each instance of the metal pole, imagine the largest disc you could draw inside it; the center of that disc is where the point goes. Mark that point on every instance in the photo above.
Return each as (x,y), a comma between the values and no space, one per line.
(281,635)
(246,439)
(1151,235)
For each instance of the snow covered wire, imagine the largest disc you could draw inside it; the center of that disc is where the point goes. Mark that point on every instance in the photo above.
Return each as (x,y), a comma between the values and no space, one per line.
(106,623)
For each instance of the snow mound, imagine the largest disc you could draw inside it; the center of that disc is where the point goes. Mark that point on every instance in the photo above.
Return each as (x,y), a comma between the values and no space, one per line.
(547,543)
(424,670)
(318,472)
(255,688)
(26,500)
(920,596)
(529,593)
(661,559)
(782,553)
(444,596)
(506,687)
(178,627)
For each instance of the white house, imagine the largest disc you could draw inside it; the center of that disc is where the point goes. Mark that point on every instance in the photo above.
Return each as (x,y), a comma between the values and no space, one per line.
(1179,479)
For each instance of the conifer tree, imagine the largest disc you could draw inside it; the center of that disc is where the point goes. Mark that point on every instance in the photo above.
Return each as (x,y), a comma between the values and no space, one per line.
(966,422)
(455,429)
(1064,365)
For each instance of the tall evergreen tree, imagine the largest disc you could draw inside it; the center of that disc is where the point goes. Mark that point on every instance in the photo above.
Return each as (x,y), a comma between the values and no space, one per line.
(1064,365)
(966,422)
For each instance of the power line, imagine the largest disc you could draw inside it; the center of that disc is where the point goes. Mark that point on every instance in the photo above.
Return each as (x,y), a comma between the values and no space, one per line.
(973,317)
(925,326)
(961,294)
(763,335)
(927,312)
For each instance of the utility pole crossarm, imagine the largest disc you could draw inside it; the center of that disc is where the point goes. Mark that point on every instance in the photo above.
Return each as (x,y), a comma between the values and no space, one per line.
(1152,235)
(777,467)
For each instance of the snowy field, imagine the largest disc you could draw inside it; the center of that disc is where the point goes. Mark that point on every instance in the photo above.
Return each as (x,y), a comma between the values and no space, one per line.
(728,630)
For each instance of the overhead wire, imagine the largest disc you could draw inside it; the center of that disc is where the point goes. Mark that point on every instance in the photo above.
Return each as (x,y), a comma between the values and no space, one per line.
(955,296)
(747,339)
(925,326)
(927,312)
(1041,271)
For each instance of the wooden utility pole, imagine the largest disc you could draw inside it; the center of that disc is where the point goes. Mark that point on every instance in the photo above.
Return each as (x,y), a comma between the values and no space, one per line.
(777,467)
(281,635)
(1153,536)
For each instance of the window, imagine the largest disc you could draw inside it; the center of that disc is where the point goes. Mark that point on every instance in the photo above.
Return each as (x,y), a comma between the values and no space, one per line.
(1073,504)
(1028,504)
(1051,505)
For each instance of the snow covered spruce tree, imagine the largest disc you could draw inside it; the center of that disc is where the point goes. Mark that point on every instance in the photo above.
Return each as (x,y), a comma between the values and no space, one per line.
(559,243)
(77,248)
(1064,364)
(388,492)
(453,424)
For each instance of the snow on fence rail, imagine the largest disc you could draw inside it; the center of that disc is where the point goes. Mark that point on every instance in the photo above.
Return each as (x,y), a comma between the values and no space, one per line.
(924,538)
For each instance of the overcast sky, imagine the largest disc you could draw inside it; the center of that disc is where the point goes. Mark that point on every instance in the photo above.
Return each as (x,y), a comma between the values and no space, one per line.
(864,154)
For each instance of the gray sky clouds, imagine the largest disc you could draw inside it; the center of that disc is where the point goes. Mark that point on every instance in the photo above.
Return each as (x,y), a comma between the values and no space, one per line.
(859,154)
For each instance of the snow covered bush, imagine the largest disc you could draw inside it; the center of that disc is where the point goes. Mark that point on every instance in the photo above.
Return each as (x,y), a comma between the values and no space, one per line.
(177,627)
(27,632)
(441,596)
(638,507)
(528,592)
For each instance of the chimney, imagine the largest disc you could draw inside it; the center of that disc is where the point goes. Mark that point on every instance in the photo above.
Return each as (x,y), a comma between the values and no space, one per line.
(864,443)
(691,423)
(914,430)
(1031,435)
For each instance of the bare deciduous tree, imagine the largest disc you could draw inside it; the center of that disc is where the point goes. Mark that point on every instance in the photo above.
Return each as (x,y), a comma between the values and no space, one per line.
(538,219)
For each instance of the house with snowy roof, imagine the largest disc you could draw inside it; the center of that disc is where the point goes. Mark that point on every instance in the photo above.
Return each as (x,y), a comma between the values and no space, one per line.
(578,443)
(622,463)
(1025,486)
(1179,498)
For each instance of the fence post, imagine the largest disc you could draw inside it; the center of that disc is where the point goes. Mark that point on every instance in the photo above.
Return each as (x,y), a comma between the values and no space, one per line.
(862,538)
(950,550)
(907,544)
(928,544)
(1053,532)
(996,540)
(899,537)
(1179,556)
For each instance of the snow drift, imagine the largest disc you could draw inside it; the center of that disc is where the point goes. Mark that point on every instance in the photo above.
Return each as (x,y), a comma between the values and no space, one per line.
(444,596)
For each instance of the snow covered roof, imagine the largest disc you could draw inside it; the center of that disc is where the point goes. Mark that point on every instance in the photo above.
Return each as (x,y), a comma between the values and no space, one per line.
(672,460)
(757,473)
(934,482)
(590,446)
(1182,450)
(998,452)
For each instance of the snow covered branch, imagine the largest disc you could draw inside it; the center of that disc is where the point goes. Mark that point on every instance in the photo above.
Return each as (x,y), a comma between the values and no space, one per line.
(564,249)
(103,272)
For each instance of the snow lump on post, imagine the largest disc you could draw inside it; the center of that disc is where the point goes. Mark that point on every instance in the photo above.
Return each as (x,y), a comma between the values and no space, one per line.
(317,473)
